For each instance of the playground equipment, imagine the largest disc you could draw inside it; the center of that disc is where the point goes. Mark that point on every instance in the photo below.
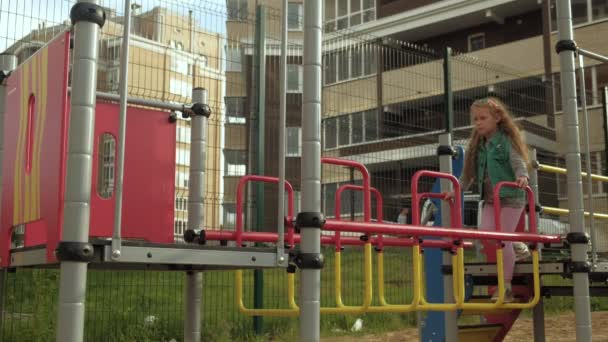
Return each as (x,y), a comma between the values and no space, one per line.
(75,229)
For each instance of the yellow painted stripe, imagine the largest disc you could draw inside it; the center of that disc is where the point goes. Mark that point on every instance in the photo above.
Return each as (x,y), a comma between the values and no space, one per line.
(43,113)
(562,171)
(18,171)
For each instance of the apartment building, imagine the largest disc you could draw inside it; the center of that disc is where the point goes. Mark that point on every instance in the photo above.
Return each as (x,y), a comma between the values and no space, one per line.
(383,89)
(169,56)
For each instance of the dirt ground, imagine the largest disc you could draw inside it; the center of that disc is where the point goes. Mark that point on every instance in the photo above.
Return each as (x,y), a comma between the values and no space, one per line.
(558,328)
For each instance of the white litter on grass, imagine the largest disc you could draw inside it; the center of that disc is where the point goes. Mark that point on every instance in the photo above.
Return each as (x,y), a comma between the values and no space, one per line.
(357,326)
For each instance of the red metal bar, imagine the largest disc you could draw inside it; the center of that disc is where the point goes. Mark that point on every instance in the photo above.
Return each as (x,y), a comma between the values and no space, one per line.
(239,201)
(455,205)
(217,235)
(367,201)
(338,207)
(456,233)
(531,206)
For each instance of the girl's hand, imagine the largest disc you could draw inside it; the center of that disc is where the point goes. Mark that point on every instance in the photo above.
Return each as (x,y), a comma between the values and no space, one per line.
(447,195)
(522,182)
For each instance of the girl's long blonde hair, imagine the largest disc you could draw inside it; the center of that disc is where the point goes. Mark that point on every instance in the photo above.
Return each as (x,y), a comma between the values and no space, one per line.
(506,124)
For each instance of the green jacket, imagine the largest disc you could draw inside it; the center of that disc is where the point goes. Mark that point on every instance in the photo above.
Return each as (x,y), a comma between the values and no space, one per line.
(495,158)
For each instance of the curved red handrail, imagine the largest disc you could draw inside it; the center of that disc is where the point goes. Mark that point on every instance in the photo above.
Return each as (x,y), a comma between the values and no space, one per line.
(455,206)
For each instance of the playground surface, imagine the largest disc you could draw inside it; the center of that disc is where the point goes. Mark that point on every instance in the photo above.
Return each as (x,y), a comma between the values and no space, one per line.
(558,328)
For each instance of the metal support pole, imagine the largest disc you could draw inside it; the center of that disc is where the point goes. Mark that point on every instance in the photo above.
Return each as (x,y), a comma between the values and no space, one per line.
(593,55)
(445,165)
(196,212)
(605,115)
(538,313)
(281,258)
(583,97)
(122,128)
(8,63)
(258,275)
(310,291)
(451,318)
(580,276)
(88,18)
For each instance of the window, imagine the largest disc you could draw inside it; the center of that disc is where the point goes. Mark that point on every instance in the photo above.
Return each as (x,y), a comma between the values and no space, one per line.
(180,227)
(329,199)
(179,46)
(294,16)
(235,162)
(477,41)
(351,129)
(182,156)
(237,9)
(113,79)
(183,134)
(349,63)
(179,65)
(181,203)
(599,9)
(294,78)
(233,59)
(179,87)
(341,14)
(181,179)
(293,145)
(331,133)
(229,217)
(235,110)
(106,165)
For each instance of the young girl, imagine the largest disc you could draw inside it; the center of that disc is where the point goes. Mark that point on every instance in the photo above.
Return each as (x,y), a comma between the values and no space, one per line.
(497,152)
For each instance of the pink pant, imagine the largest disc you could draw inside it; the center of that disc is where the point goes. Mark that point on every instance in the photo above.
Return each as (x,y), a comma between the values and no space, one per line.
(509,217)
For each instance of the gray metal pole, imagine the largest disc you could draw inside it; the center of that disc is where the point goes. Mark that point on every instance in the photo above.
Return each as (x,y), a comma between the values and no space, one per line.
(196,193)
(538,313)
(583,97)
(122,128)
(142,102)
(310,291)
(578,241)
(8,63)
(593,55)
(282,142)
(88,18)
(451,317)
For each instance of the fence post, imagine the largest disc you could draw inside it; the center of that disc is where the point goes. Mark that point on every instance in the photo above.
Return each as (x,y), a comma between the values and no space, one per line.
(87,18)
(566,48)
(8,63)
(539,310)
(605,115)
(445,165)
(260,79)
(310,220)
(196,208)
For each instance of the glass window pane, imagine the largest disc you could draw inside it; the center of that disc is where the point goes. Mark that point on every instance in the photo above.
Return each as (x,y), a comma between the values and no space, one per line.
(293,141)
(293,76)
(331,133)
(294,16)
(342,24)
(355,6)
(369,4)
(371,125)
(356,62)
(235,162)
(357,122)
(579,11)
(330,26)
(342,65)
(355,19)
(330,9)
(330,68)
(344,130)
(342,7)
(369,15)
(106,159)
(369,60)
(329,195)
(600,9)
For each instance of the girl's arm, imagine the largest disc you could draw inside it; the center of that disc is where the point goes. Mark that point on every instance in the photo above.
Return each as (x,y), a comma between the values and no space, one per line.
(519,168)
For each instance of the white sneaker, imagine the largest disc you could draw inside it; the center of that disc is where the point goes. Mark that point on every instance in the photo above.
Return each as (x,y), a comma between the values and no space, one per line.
(521,251)
(508,296)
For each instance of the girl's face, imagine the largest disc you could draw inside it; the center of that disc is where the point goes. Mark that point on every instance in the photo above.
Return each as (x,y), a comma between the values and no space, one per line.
(484,122)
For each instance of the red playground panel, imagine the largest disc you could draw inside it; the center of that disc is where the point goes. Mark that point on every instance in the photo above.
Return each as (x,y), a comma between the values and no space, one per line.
(35,155)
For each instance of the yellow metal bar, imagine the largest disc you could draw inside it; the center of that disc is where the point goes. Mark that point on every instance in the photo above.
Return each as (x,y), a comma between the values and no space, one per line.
(562,171)
(424,305)
(367,279)
(291,312)
(384,305)
(565,212)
